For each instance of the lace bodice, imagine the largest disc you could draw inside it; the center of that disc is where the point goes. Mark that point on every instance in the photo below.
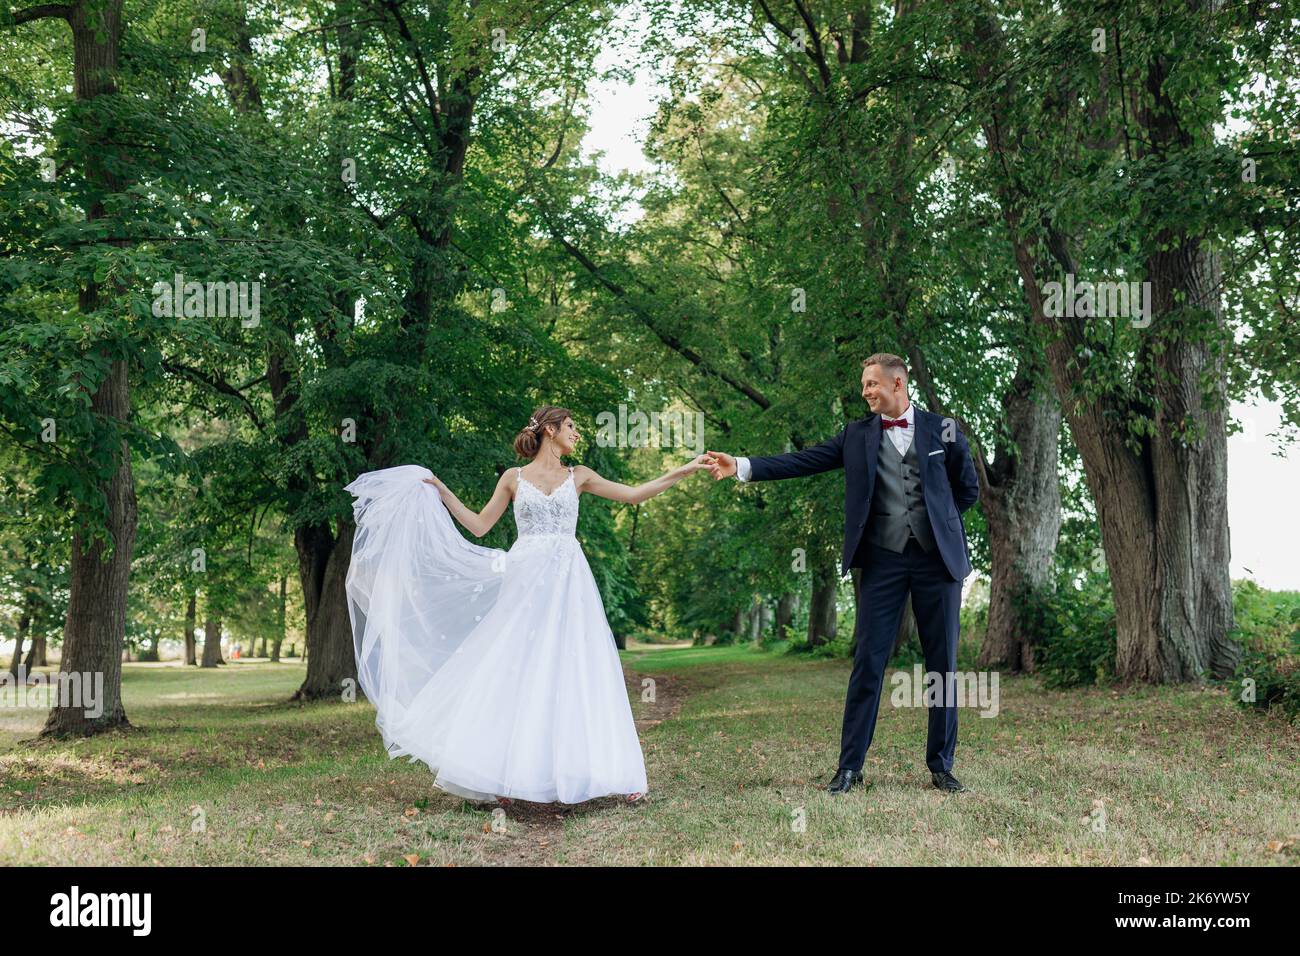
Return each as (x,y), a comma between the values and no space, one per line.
(538,513)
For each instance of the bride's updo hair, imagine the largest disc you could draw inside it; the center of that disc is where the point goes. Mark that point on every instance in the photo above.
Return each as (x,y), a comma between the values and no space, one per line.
(529,440)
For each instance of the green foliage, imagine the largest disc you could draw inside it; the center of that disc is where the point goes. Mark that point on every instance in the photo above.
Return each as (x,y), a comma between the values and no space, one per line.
(1072,630)
(1268,628)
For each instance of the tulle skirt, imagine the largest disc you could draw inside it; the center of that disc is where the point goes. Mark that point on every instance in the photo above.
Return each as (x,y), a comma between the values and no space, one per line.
(496,668)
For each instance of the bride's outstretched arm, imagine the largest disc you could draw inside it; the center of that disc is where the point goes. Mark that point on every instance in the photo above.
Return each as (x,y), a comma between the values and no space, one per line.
(588,480)
(479,523)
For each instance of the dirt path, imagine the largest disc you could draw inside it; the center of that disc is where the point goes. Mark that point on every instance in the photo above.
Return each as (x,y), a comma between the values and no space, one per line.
(539,827)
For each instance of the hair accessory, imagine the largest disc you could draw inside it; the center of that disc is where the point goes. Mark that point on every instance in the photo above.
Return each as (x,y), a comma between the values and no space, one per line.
(532,423)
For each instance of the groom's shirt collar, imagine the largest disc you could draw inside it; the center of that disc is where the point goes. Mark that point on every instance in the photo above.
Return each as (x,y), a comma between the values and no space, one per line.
(909,415)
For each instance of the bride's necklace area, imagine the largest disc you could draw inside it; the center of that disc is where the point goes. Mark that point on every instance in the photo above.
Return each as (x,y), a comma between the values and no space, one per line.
(563,471)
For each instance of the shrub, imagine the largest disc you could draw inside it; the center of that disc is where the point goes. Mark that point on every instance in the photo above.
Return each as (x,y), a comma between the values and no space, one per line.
(1267,625)
(1072,630)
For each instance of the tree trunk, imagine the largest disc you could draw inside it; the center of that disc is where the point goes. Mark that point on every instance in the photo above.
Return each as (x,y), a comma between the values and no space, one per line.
(212,640)
(821,607)
(1162,509)
(1022,509)
(784,614)
(1169,559)
(279,634)
(36,656)
(24,625)
(1162,506)
(191,657)
(95,629)
(330,652)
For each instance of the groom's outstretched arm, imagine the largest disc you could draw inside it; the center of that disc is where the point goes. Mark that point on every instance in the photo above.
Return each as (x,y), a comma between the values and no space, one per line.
(796,464)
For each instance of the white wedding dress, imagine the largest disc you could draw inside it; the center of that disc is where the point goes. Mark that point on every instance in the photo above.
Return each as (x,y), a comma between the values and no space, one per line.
(496,668)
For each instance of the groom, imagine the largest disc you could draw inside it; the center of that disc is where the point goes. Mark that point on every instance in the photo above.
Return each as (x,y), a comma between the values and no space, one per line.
(908,476)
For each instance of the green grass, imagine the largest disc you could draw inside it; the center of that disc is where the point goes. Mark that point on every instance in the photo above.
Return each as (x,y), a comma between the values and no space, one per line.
(220,770)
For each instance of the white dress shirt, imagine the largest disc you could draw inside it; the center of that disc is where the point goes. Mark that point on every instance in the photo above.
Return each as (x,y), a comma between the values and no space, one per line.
(901,437)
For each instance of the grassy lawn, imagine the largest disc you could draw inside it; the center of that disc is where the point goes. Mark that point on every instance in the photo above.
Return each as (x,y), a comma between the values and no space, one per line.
(738,742)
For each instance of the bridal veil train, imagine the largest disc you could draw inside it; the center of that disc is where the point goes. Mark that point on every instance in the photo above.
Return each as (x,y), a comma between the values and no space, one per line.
(497,668)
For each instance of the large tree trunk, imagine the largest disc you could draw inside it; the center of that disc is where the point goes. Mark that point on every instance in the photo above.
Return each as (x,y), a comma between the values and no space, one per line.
(191,656)
(1178,626)
(323,566)
(95,630)
(1161,507)
(1022,509)
(821,607)
(1164,513)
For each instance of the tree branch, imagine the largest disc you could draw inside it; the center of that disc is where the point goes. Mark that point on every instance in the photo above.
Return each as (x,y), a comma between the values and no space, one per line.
(667,338)
(43,11)
(217,385)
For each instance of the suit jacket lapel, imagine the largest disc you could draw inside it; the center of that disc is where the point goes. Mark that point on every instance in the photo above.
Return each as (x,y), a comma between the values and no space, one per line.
(872,433)
(919,433)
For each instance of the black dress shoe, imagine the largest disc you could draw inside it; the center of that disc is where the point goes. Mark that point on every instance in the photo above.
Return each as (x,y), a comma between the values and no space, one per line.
(844,780)
(946,781)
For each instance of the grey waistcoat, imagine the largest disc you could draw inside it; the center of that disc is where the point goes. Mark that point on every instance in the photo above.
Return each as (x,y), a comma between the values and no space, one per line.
(897,504)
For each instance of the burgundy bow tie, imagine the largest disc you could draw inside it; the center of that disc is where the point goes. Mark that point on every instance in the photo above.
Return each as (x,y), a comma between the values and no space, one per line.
(891,422)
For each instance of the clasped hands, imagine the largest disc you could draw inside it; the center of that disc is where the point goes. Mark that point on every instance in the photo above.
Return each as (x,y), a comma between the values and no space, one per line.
(720,464)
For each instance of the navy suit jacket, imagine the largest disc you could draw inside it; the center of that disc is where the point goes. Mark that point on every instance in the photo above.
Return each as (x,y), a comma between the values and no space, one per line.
(948,479)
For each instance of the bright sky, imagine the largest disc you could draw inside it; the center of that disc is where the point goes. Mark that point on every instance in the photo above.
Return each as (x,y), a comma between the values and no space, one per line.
(1264,522)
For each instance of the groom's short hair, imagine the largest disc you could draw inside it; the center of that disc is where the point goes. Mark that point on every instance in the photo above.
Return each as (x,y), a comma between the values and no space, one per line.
(889,363)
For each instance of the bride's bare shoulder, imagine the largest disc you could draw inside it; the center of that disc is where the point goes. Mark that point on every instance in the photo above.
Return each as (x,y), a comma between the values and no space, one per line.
(582,474)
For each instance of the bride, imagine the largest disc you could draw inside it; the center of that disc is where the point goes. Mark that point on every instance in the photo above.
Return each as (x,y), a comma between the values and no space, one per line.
(496,668)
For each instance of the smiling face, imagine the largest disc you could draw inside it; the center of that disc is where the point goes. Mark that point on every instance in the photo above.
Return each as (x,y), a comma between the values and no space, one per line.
(566,437)
(885,395)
